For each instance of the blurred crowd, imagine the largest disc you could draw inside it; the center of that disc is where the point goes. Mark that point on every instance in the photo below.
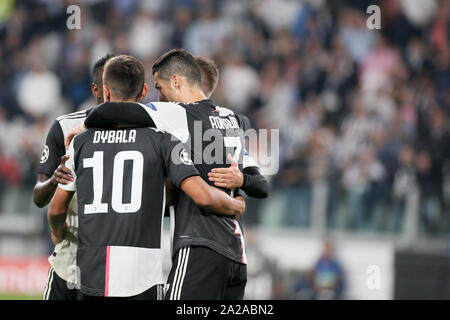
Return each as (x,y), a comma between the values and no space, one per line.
(364,114)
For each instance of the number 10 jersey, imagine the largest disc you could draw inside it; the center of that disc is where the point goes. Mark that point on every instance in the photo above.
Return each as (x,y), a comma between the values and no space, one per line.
(120,183)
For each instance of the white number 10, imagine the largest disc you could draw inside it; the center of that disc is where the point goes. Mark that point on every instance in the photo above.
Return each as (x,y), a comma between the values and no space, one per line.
(96,163)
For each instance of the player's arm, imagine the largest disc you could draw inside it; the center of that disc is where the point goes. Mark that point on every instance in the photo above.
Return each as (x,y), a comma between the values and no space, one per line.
(57,211)
(57,214)
(183,174)
(211,198)
(110,113)
(255,185)
(45,186)
(51,169)
(250,180)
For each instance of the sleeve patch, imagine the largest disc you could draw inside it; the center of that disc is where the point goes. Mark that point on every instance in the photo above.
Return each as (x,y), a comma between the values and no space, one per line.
(45,154)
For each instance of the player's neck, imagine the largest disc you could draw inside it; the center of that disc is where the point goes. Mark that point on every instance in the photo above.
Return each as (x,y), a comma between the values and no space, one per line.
(192,95)
(124,100)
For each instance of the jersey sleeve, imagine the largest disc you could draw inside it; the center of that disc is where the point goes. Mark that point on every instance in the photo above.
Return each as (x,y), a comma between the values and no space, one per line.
(70,163)
(244,122)
(177,160)
(248,161)
(170,117)
(53,150)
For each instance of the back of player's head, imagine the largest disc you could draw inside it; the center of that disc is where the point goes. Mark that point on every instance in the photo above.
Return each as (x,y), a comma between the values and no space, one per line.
(97,70)
(210,75)
(125,77)
(180,62)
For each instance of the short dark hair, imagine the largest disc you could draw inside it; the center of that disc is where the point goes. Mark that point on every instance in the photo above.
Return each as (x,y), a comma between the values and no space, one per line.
(210,74)
(125,77)
(178,61)
(97,70)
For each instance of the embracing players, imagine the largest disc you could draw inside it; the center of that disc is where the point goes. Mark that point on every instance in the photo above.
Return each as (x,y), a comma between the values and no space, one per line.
(121,195)
(209,259)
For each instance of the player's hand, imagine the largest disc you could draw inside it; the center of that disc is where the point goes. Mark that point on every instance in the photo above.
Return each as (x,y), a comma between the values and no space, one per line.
(62,174)
(57,237)
(72,134)
(230,178)
(242,209)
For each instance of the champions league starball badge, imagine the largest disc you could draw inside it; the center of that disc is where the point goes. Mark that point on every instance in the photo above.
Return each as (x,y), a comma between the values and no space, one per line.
(185,158)
(45,154)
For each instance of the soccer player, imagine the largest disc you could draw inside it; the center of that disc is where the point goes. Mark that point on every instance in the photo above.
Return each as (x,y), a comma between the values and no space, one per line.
(209,74)
(250,180)
(209,260)
(120,175)
(61,283)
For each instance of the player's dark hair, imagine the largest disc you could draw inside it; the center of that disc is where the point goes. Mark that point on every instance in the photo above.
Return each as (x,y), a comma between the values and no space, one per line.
(210,74)
(125,77)
(97,69)
(178,61)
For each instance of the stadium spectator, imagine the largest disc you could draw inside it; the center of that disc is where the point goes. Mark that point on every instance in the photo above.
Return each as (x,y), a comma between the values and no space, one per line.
(328,277)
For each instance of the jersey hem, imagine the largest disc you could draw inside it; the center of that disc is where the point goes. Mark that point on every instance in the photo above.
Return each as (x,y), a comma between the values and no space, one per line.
(211,245)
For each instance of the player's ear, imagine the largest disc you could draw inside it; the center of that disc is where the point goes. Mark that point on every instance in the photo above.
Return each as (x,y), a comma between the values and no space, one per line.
(144,91)
(106,93)
(175,81)
(97,91)
(94,89)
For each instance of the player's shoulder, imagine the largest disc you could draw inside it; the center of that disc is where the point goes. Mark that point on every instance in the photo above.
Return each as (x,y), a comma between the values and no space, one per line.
(74,115)
(155,134)
(82,137)
(164,138)
(161,106)
(244,121)
(150,130)
(72,120)
(224,112)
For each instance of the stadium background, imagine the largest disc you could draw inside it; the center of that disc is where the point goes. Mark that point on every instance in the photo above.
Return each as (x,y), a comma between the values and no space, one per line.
(363,117)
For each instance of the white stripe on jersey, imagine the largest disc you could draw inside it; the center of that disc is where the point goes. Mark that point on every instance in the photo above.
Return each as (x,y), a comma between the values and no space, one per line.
(169,117)
(133,270)
(72,115)
(69,122)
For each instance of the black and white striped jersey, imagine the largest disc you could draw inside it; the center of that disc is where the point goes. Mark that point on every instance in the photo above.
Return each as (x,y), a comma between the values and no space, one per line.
(120,181)
(63,258)
(209,133)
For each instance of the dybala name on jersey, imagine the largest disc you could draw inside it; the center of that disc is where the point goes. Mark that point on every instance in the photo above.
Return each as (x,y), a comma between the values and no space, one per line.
(114,136)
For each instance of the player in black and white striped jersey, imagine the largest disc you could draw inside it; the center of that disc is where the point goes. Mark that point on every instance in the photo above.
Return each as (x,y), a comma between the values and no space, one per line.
(61,282)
